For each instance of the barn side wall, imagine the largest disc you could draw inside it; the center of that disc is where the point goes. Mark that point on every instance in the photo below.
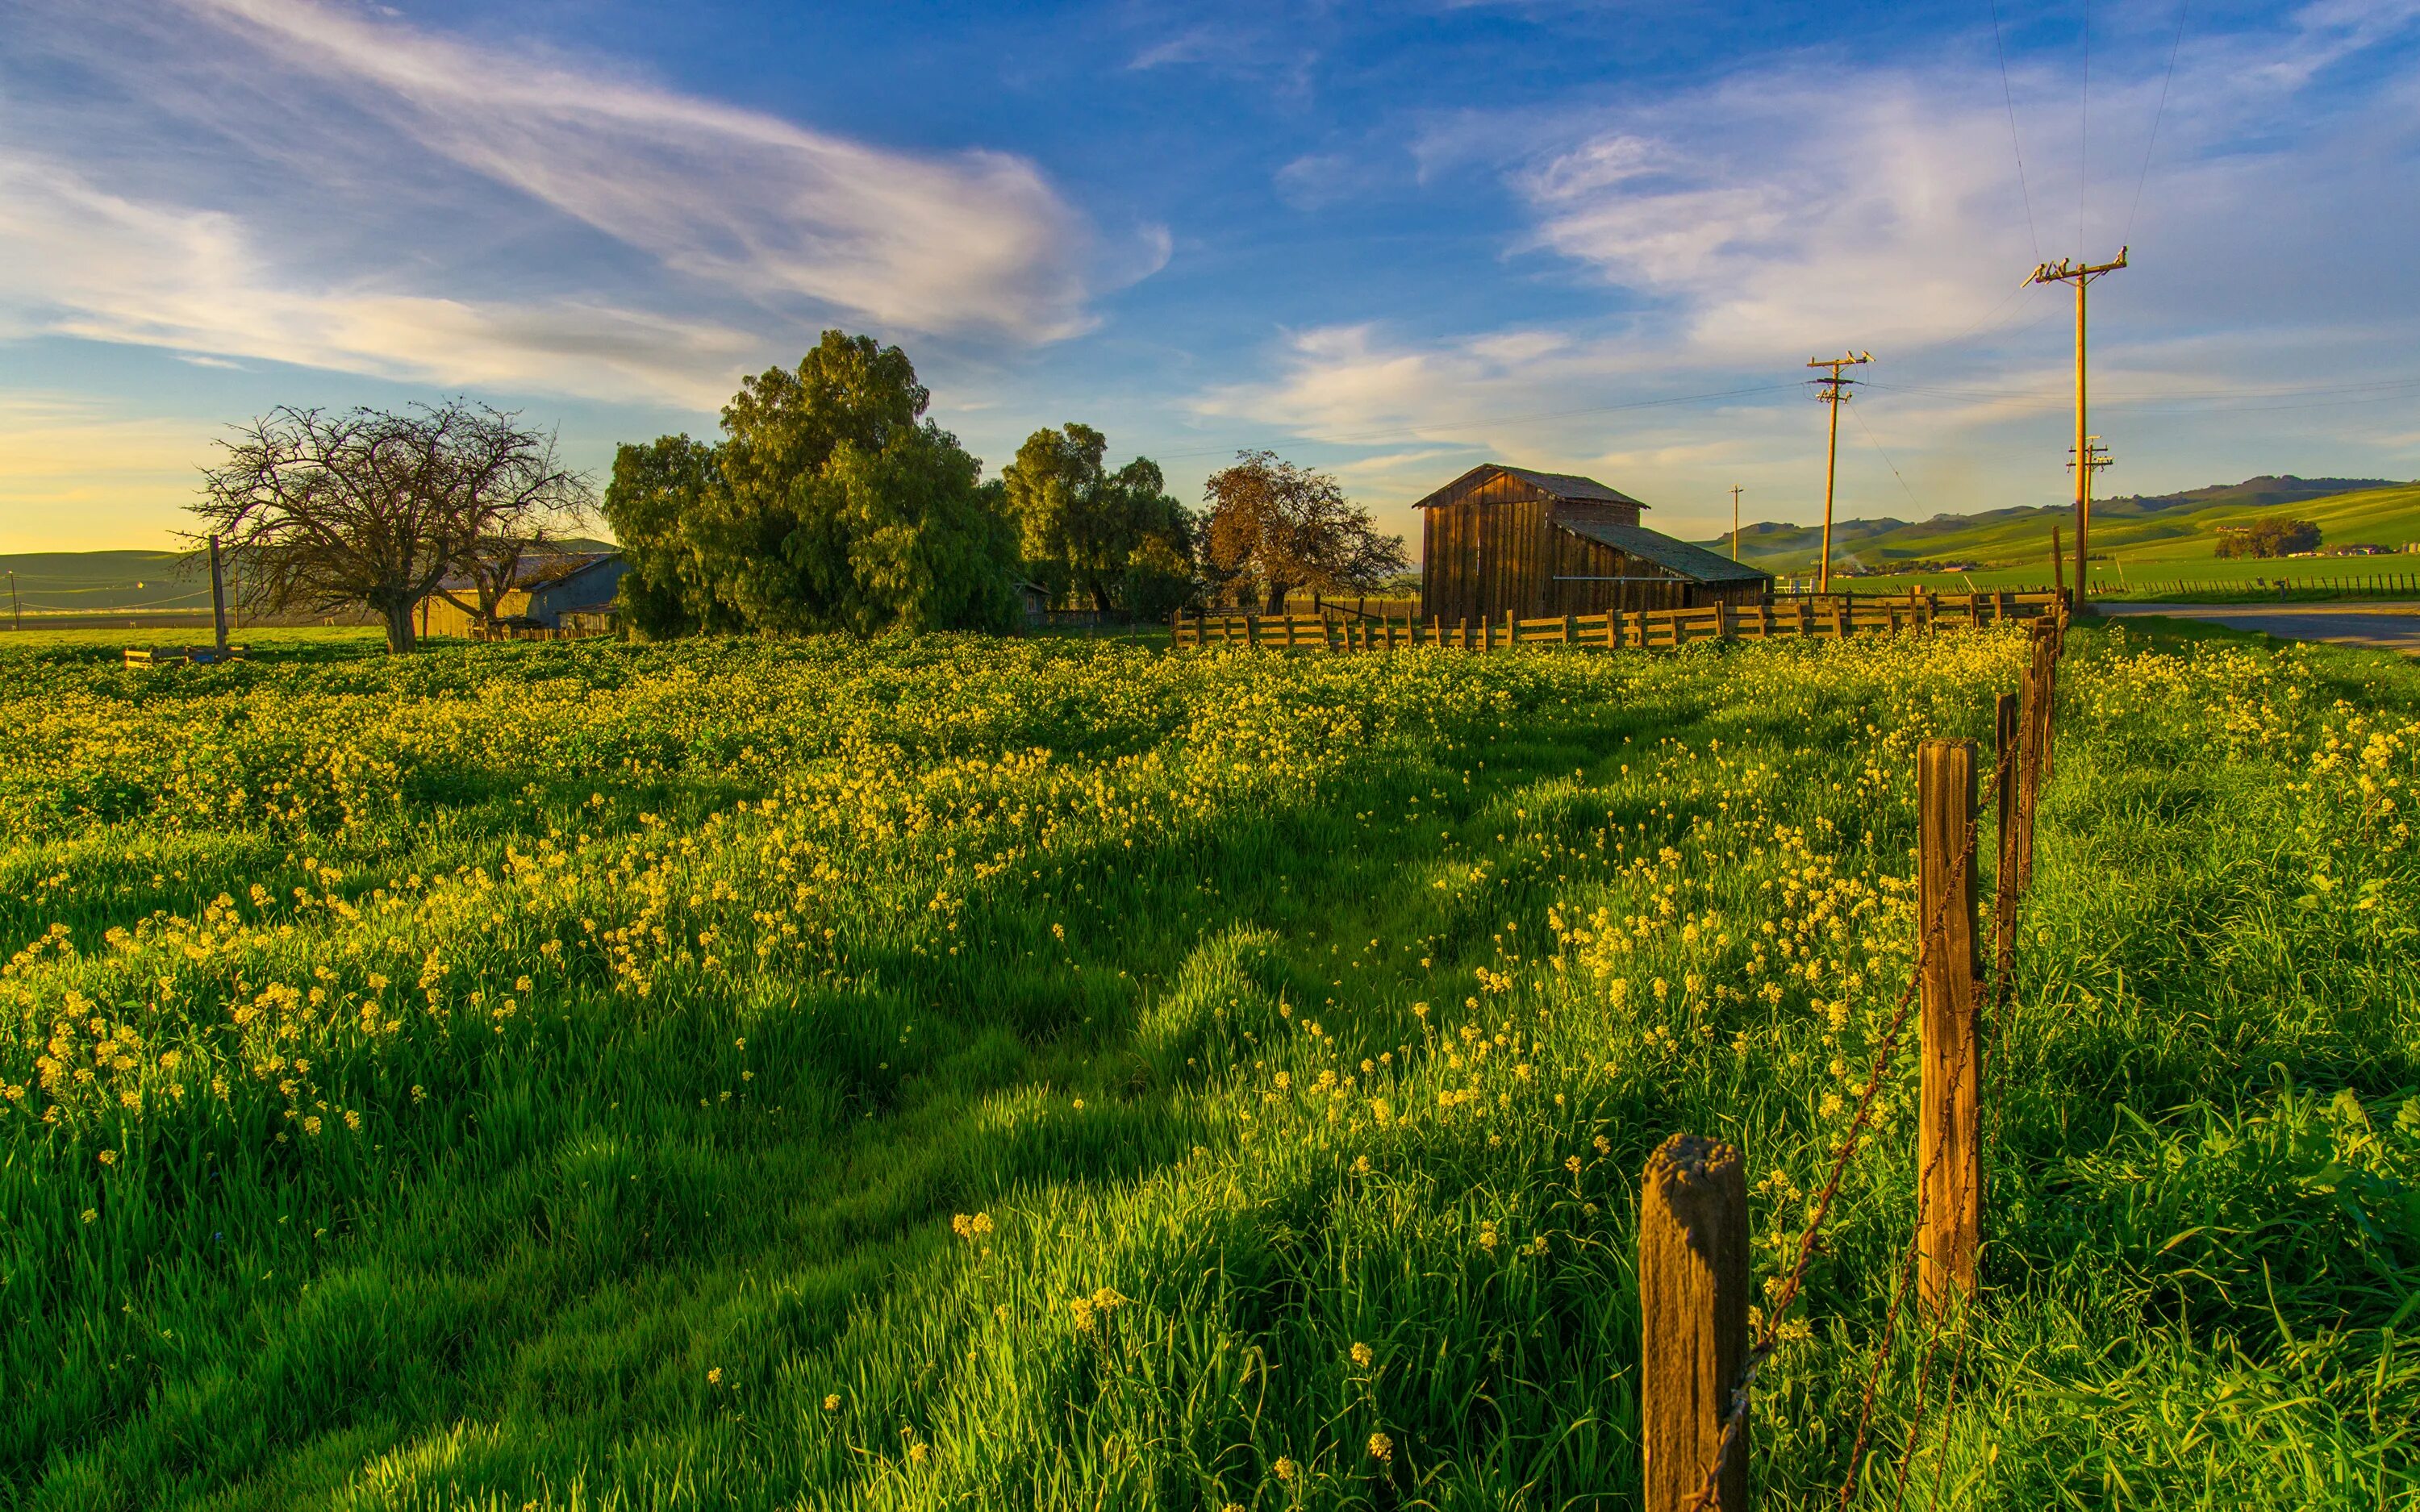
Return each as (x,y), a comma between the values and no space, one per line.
(1484,555)
(1494,552)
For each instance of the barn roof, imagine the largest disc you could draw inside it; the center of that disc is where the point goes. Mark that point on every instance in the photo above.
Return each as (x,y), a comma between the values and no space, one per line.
(1691,562)
(1570,486)
(548,571)
(539,571)
(1564,487)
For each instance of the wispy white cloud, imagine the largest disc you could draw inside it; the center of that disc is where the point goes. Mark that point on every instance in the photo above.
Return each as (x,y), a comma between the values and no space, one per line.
(1316,179)
(1787,209)
(91,264)
(307,182)
(736,197)
(1191,45)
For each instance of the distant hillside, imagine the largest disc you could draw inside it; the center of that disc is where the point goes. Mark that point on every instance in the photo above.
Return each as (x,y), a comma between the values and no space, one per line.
(2146,526)
(125,581)
(52,581)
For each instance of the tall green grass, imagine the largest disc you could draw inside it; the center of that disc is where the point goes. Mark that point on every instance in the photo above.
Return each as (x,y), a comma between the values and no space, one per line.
(1055,1074)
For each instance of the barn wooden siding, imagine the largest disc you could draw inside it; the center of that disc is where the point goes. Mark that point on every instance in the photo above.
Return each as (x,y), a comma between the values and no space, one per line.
(1492,547)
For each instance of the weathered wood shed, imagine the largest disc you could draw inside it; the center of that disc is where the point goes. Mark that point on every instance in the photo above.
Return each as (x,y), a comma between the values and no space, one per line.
(1502,540)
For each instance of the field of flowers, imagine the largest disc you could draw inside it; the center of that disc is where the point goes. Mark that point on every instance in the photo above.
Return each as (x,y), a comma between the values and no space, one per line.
(1013,1074)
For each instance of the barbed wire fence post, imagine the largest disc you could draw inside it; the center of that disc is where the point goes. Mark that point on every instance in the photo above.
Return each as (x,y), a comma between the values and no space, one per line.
(1942,1257)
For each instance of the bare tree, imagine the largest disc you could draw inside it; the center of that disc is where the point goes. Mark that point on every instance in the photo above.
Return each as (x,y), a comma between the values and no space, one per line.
(536,502)
(1278,527)
(376,508)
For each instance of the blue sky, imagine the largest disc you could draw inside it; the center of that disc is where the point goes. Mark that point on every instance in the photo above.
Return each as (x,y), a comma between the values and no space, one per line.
(1392,240)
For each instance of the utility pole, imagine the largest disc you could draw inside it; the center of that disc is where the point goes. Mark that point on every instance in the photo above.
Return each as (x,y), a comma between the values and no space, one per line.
(1833,390)
(1735,493)
(2096,457)
(2081,275)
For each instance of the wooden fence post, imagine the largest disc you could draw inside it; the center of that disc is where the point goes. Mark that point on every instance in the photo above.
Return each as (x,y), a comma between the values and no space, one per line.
(1947,1151)
(2007,741)
(2030,764)
(2053,644)
(1693,1290)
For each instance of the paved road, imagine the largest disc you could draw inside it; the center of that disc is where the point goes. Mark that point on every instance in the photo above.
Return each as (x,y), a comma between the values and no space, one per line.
(2386,626)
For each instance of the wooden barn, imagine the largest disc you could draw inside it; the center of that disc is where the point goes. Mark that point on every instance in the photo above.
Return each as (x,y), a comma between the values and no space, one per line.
(1501,540)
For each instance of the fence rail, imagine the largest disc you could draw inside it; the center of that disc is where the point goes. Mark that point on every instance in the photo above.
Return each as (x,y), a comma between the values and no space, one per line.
(1836,617)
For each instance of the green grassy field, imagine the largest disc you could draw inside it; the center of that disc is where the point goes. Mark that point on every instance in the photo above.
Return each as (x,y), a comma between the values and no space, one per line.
(2307,580)
(2144,545)
(1052,1074)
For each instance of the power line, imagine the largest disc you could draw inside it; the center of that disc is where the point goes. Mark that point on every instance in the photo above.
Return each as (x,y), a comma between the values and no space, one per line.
(1996,321)
(2174,48)
(2010,96)
(1886,457)
(2378,390)
(1416,434)
(2084,136)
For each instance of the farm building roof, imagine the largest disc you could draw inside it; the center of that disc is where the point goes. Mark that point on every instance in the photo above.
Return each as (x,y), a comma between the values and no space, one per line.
(1572,487)
(1692,562)
(1567,488)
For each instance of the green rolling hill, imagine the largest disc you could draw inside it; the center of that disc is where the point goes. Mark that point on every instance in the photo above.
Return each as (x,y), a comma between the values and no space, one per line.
(123,583)
(56,582)
(2169,535)
(2160,533)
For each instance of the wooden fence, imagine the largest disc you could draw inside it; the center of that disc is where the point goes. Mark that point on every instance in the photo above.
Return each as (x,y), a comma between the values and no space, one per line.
(1699,1361)
(2384,584)
(1833,618)
(582,631)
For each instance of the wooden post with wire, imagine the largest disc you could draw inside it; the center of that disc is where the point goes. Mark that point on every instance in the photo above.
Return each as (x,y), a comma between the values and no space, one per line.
(2008,747)
(2081,275)
(2033,741)
(1735,493)
(1693,1294)
(218,600)
(1949,1154)
(1833,390)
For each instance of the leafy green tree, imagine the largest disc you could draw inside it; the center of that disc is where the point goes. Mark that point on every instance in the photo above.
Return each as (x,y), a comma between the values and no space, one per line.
(1116,538)
(656,491)
(831,503)
(2276,535)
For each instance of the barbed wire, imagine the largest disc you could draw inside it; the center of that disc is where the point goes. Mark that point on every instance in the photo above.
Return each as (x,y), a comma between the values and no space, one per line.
(1709,1495)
